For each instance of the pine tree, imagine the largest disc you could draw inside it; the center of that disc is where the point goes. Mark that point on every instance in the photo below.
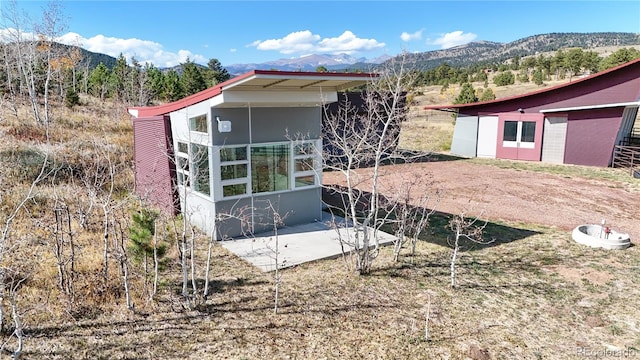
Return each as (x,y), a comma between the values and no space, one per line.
(144,243)
(488,95)
(467,94)
(215,73)
(172,87)
(192,80)
(538,77)
(141,233)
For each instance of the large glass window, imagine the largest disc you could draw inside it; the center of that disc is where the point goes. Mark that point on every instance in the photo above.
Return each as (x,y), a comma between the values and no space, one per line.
(269,168)
(264,168)
(199,124)
(200,163)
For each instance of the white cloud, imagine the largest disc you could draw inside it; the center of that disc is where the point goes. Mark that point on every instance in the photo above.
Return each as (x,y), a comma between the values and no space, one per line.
(11,34)
(405,36)
(306,42)
(295,42)
(232,50)
(452,39)
(142,50)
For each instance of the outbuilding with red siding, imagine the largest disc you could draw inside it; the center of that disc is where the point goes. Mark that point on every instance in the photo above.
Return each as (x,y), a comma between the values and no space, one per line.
(579,122)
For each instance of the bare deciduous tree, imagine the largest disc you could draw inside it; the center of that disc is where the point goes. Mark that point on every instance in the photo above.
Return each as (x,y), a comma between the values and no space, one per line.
(64,249)
(359,137)
(30,48)
(464,228)
(411,212)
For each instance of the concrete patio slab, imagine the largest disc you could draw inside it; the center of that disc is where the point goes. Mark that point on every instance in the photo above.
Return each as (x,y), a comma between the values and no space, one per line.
(297,244)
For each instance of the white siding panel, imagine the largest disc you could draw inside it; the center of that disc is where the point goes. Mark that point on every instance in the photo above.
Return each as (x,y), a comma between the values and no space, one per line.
(465,136)
(487,136)
(554,137)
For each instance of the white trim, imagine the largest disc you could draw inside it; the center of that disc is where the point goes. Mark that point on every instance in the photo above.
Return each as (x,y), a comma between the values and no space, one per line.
(587,107)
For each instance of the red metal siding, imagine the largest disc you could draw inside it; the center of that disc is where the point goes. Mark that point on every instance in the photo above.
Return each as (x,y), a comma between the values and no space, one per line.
(154,168)
(591,136)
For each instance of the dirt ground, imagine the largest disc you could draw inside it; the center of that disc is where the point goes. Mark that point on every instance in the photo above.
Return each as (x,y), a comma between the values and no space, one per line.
(517,196)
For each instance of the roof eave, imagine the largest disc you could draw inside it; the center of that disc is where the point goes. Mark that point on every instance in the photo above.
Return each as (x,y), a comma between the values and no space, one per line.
(541,91)
(352,80)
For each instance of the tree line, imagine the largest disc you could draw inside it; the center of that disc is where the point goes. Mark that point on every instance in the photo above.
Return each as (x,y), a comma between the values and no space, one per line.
(563,64)
(34,66)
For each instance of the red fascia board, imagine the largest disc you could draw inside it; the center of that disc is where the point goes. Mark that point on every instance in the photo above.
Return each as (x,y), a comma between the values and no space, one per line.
(144,111)
(541,91)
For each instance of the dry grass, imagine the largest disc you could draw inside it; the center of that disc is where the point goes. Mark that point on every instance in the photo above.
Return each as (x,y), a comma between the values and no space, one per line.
(541,296)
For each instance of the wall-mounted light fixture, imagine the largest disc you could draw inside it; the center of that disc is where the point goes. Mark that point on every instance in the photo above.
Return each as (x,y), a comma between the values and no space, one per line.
(224,126)
(521,111)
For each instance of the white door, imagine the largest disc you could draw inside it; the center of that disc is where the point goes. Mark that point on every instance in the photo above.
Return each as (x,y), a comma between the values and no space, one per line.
(555,134)
(487,136)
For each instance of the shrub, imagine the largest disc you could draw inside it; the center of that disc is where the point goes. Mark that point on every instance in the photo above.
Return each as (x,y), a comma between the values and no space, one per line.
(504,78)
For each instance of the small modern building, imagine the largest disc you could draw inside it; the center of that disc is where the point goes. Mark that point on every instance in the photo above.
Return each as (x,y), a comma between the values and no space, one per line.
(231,155)
(580,122)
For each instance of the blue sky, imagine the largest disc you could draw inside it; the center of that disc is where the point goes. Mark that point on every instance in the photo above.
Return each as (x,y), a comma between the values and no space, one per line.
(167,32)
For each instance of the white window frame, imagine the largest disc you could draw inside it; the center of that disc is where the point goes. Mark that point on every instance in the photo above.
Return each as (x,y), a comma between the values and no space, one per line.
(315,157)
(207,123)
(181,173)
(316,172)
(519,142)
(192,169)
(218,164)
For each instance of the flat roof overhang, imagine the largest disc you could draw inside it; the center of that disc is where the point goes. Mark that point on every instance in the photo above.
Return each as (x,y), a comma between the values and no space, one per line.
(267,88)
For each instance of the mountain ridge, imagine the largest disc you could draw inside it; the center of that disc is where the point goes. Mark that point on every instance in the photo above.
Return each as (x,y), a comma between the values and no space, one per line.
(481,51)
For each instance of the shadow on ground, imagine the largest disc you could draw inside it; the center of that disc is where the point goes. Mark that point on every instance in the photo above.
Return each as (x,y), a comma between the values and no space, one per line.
(438,230)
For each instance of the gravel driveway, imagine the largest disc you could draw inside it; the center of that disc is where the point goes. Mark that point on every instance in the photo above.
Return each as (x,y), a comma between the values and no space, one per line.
(514,195)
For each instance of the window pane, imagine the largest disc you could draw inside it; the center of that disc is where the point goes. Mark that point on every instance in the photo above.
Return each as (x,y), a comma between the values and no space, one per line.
(528,131)
(183,148)
(228,172)
(305,164)
(200,158)
(198,123)
(510,131)
(269,168)
(183,163)
(233,154)
(305,180)
(183,179)
(236,189)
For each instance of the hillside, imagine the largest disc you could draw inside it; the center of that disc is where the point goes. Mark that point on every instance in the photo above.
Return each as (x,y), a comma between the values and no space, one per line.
(531,294)
(492,52)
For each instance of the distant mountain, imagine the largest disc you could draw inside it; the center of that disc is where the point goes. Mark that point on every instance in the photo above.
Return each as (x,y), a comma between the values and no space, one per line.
(92,59)
(307,63)
(492,52)
(477,52)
